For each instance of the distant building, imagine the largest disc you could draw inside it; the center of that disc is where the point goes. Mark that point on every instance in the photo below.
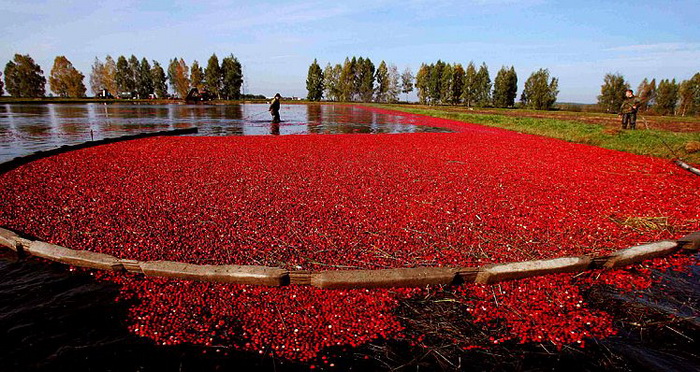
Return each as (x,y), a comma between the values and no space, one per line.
(104,93)
(292,98)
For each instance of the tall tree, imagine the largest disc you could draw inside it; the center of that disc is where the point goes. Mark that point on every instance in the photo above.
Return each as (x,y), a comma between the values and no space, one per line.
(65,80)
(2,86)
(172,74)
(505,87)
(435,81)
(212,76)
(446,82)
(102,76)
(179,77)
(347,80)
(382,78)
(457,84)
(512,86)
(331,81)
(358,68)
(24,78)
(540,93)
(314,82)
(124,76)
(695,86)
(197,76)
(407,81)
(646,93)
(96,77)
(135,68)
(159,80)
(394,84)
(422,83)
(109,75)
(666,97)
(612,92)
(144,85)
(689,92)
(469,92)
(483,86)
(232,78)
(365,79)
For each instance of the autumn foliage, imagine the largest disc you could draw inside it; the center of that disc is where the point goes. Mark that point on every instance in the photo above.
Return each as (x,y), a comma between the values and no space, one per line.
(65,80)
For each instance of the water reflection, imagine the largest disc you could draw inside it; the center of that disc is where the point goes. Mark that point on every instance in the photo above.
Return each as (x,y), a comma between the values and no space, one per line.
(25,128)
(275,128)
(314,115)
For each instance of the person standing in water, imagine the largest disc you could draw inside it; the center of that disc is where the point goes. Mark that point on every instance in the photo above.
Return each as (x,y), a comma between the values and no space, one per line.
(275,108)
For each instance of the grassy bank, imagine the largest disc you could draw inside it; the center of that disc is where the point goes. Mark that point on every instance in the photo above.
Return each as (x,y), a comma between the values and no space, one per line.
(643,142)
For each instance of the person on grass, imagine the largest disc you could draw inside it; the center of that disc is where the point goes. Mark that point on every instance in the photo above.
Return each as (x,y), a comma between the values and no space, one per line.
(628,110)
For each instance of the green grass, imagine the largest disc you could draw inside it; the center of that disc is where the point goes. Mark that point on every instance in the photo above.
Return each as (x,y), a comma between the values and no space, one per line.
(642,142)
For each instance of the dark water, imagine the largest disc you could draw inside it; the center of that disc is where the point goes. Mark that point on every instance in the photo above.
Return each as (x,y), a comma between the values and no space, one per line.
(55,319)
(29,128)
(52,318)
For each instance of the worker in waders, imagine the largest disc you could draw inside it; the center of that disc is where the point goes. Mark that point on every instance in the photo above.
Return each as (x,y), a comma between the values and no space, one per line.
(628,110)
(275,108)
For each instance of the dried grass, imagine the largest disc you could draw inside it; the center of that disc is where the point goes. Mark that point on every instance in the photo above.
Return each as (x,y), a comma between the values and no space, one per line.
(645,223)
(692,147)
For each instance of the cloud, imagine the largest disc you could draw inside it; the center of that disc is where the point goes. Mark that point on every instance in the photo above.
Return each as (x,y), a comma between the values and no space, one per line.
(658,60)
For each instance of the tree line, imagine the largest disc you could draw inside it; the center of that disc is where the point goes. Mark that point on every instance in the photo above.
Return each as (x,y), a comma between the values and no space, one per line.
(358,80)
(138,78)
(128,78)
(668,97)
(452,84)
(438,83)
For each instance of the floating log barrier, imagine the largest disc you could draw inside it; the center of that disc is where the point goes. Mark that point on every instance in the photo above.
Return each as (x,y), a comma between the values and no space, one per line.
(258,275)
(519,270)
(467,275)
(19,161)
(687,167)
(640,253)
(347,279)
(406,277)
(87,259)
(690,242)
(10,240)
(132,266)
(300,277)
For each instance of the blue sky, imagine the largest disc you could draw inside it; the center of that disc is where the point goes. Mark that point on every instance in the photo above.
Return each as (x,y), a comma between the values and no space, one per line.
(579,41)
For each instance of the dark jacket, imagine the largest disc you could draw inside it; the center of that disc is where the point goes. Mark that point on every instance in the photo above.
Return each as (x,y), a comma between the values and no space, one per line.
(275,105)
(630,105)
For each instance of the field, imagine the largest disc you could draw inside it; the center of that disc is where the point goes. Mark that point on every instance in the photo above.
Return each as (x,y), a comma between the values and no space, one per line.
(645,121)
(331,202)
(660,136)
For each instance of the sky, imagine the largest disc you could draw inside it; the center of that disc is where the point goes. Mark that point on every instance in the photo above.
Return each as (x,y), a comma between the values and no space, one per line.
(578,41)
